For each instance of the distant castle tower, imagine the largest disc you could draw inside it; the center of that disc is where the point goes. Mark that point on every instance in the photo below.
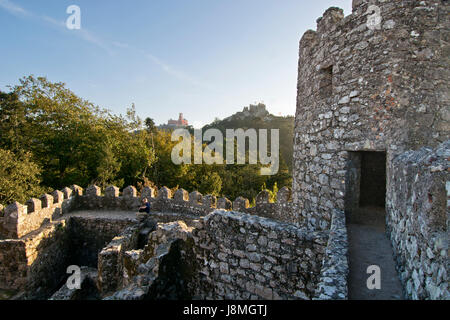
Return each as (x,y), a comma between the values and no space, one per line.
(181,122)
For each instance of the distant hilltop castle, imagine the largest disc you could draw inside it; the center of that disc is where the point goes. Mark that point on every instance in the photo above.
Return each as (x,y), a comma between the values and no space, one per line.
(173,124)
(253,110)
(181,122)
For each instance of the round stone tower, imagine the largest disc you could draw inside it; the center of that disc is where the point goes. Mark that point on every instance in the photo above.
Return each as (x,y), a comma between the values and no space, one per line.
(370,86)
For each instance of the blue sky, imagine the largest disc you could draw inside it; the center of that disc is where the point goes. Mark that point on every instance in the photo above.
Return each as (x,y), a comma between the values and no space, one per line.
(205,58)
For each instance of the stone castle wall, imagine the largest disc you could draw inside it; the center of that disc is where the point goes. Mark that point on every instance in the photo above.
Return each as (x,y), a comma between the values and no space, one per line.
(383,88)
(419,220)
(335,265)
(35,263)
(112,273)
(228,255)
(250,257)
(359,89)
(13,267)
(88,236)
(90,241)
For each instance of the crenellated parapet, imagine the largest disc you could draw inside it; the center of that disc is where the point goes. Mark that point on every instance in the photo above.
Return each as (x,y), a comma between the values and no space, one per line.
(330,19)
(282,209)
(18,220)
(224,203)
(193,204)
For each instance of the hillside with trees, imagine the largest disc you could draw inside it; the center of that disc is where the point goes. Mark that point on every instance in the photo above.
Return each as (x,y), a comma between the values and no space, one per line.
(257,117)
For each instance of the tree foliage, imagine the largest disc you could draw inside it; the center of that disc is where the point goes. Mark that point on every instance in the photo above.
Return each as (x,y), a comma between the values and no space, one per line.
(70,139)
(19,177)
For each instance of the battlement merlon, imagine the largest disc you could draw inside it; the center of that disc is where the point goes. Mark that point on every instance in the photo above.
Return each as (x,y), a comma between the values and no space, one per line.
(330,19)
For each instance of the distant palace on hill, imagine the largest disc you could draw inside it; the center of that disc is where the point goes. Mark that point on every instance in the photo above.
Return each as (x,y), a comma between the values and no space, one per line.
(174,124)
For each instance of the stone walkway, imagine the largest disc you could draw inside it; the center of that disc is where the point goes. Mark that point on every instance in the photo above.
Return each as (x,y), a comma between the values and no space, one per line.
(129,215)
(368,245)
(116,215)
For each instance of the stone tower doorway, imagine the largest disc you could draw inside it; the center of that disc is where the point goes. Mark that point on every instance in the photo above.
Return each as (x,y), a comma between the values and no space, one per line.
(365,214)
(366,188)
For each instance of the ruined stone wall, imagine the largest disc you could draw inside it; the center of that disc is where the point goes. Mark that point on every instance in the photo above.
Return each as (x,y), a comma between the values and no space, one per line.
(89,235)
(91,240)
(418,220)
(360,89)
(165,268)
(48,255)
(231,255)
(13,266)
(36,263)
(172,264)
(111,260)
(249,257)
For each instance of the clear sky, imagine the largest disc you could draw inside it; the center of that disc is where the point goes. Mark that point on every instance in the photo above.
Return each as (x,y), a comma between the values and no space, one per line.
(205,58)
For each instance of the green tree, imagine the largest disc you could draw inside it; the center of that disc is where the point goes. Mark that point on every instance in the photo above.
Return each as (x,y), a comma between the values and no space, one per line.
(108,169)
(74,141)
(150,125)
(19,177)
(164,172)
(211,183)
(15,122)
